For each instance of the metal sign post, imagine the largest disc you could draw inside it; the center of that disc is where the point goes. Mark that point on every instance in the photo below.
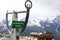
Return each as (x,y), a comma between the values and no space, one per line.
(18,24)
(13,34)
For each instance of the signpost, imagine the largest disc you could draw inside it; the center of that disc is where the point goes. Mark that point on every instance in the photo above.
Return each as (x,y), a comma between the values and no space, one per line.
(17,24)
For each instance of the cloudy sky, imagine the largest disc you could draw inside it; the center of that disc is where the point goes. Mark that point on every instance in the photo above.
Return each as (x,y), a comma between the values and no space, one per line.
(41,8)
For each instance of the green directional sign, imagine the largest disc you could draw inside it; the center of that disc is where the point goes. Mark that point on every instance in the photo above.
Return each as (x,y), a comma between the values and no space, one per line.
(17,24)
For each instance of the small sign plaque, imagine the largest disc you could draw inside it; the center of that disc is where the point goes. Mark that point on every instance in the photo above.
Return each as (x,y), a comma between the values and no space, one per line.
(17,24)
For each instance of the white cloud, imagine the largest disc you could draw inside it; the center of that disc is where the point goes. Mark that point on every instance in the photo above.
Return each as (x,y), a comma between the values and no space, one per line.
(11,4)
(41,8)
(45,8)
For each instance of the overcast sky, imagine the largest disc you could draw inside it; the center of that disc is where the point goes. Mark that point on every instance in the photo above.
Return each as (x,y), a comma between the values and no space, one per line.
(41,8)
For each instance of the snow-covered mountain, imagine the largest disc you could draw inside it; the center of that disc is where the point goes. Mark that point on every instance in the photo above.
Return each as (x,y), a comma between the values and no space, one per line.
(51,26)
(37,25)
(3,28)
(33,22)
